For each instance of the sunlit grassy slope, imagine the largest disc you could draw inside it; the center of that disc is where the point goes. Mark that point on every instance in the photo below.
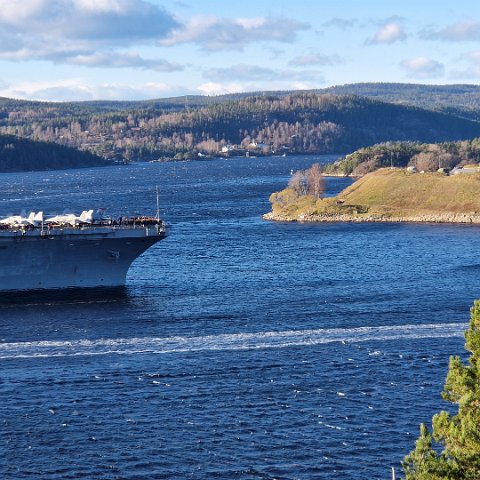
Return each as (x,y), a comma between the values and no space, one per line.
(390,193)
(398,189)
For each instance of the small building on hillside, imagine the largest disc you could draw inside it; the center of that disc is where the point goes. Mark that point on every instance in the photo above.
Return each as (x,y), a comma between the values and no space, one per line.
(259,146)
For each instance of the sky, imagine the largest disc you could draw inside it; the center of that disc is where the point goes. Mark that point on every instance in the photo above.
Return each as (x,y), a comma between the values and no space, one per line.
(75,50)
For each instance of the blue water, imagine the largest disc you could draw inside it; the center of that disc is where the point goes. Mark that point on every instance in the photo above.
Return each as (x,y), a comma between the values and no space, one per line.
(241,349)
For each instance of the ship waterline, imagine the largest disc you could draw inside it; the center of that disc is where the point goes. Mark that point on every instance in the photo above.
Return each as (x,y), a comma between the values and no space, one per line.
(73,257)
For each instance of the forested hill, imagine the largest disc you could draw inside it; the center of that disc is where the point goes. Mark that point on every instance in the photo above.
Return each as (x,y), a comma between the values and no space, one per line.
(18,154)
(426,157)
(460,100)
(296,123)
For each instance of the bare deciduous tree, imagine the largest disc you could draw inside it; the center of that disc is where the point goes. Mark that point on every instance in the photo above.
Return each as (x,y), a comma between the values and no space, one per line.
(298,183)
(308,182)
(315,181)
(425,161)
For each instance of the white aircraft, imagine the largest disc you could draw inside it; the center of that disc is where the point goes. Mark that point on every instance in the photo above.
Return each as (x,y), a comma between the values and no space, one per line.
(71,219)
(19,220)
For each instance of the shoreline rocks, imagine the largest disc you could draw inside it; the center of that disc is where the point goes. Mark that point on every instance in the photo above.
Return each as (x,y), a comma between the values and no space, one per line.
(447,218)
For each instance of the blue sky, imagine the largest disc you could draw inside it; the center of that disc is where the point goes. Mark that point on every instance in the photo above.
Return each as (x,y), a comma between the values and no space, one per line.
(64,50)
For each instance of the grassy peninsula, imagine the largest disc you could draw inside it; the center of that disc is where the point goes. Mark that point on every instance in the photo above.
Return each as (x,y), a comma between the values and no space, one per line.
(387,195)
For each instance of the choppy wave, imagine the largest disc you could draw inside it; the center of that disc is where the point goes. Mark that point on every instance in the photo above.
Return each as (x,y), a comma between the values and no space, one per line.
(239,341)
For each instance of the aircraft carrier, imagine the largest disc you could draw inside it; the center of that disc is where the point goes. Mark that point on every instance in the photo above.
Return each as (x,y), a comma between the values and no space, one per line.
(69,251)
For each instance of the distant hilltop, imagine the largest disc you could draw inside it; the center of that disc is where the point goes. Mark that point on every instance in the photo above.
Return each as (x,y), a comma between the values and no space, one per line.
(389,195)
(334,120)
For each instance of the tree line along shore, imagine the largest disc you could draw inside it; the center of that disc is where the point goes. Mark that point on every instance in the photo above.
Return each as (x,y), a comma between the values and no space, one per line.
(277,123)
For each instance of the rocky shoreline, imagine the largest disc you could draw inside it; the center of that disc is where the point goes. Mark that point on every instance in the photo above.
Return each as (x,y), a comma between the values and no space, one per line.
(453,218)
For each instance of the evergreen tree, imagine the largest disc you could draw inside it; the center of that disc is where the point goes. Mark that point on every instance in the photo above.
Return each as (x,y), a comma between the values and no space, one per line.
(421,463)
(458,434)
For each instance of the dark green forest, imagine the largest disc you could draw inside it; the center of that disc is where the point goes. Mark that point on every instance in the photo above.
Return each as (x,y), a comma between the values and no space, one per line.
(266,124)
(19,154)
(458,100)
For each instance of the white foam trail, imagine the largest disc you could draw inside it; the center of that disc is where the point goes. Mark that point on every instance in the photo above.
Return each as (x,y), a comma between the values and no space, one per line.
(238,341)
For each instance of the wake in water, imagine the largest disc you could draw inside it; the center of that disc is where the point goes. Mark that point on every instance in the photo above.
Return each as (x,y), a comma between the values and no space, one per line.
(226,342)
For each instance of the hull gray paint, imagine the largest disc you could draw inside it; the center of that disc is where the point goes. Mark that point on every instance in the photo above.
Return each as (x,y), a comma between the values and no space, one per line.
(71,258)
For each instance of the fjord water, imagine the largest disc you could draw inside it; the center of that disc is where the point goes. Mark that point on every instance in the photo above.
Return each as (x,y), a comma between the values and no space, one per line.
(240,348)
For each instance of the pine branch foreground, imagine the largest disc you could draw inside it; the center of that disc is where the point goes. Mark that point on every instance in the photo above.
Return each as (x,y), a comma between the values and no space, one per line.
(458,435)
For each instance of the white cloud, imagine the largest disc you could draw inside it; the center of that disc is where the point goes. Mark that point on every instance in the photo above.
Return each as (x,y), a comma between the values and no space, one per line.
(388,33)
(472,56)
(422,67)
(468,31)
(315,59)
(14,12)
(472,70)
(222,88)
(69,30)
(89,31)
(116,21)
(342,23)
(251,23)
(78,90)
(249,78)
(100,5)
(212,88)
(86,58)
(213,33)
(301,86)
(253,73)
(181,4)
(122,60)
(241,72)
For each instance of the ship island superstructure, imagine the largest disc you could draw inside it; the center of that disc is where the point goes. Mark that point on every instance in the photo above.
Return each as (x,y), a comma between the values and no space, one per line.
(70,251)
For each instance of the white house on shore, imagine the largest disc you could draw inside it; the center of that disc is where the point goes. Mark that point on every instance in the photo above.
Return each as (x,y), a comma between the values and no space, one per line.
(259,145)
(227,148)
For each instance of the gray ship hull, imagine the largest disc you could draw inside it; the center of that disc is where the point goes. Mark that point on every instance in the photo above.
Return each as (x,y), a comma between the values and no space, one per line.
(71,257)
